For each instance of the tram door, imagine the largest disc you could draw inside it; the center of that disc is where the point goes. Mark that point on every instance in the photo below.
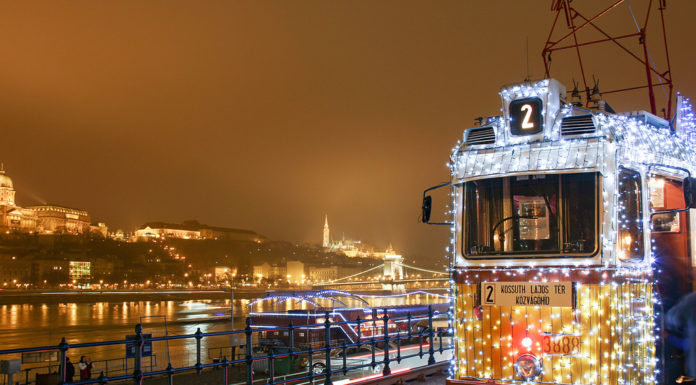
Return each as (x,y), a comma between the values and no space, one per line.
(670,241)
(673,271)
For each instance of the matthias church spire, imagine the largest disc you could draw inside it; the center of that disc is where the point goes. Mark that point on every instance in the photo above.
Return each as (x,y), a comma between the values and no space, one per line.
(327,238)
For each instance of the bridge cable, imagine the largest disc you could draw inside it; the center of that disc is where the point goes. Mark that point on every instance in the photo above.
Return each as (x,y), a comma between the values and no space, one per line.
(426,270)
(362,272)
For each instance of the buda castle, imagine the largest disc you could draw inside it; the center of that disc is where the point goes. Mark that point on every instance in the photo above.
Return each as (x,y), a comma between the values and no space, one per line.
(44,219)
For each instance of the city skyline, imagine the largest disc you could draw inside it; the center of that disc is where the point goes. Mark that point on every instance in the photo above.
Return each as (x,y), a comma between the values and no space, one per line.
(144,230)
(268,115)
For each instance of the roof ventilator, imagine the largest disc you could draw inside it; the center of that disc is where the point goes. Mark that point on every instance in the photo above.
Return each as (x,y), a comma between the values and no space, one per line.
(480,135)
(577,125)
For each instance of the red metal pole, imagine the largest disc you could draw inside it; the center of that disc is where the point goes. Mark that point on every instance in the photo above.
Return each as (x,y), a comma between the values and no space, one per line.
(575,30)
(651,93)
(546,51)
(582,69)
(669,65)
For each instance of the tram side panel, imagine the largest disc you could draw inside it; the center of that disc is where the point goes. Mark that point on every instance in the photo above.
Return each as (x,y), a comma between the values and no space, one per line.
(606,338)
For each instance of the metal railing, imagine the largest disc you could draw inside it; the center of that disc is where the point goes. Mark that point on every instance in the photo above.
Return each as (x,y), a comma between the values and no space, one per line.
(400,343)
(109,367)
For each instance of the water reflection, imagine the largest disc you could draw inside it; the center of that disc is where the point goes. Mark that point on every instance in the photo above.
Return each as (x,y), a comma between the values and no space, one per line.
(46,324)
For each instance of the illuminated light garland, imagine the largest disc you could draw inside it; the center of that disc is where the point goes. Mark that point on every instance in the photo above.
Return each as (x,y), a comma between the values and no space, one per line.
(281,298)
(319,317)
(326,294)
(625,337)
(686,120)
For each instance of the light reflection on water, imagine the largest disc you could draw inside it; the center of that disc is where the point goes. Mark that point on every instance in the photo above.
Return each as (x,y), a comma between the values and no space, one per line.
(42,325)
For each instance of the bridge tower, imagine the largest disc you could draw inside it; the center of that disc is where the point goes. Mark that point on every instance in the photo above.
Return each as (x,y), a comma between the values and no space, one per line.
(393,265)
(393,270)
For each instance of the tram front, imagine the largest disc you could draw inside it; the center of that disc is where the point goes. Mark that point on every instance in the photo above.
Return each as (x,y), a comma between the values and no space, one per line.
(550,256)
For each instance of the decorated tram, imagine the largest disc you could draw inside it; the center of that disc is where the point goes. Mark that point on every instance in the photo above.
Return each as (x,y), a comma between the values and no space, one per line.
(572,235)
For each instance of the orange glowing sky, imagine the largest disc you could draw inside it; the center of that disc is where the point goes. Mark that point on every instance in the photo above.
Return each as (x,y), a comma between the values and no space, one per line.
(268,115)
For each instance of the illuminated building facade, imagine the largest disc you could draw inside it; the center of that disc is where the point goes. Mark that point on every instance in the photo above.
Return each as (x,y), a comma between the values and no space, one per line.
(154,230)
(225,273)
(350,248)
(13,217)
(323,273)
(60,219)
(79,270)
(42,219)
(99,229)
(295,271)
(7,192)
(194,230)
(271,271)
(19,219)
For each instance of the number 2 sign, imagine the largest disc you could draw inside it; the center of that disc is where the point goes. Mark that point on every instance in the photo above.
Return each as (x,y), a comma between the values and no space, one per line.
(525,116)
(488,294)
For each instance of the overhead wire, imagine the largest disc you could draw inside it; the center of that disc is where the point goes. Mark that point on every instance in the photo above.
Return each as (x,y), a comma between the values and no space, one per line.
(652,62)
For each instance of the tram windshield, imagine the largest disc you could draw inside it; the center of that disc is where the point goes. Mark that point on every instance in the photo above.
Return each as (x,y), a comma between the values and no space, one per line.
(531,214)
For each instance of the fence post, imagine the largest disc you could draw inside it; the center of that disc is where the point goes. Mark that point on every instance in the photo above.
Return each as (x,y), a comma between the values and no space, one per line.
(292,341)
(63,346)
(249,353)
(327,348)
(271,366)
(199,336)
(357,320)
(345,358)
(439,335)
(138,373)
(224,368)
(372,339)
(310,355)
(387,370)
(170,374)
(373,346)
(398,346)
(431,349)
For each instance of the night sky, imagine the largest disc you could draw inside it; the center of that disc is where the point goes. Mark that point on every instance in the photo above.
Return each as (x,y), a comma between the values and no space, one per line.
(267,115)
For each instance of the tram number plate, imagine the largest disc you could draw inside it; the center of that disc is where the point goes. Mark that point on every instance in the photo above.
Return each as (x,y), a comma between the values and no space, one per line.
(561,344)
(553,294)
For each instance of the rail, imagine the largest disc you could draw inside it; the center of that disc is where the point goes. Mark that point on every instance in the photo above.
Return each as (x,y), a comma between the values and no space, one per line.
(109,367)
(397,348)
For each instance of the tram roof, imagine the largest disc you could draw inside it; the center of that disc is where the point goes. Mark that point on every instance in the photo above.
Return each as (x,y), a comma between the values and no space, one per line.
(579,140)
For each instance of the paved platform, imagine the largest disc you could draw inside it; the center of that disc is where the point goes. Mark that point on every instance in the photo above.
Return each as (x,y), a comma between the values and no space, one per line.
(435,375)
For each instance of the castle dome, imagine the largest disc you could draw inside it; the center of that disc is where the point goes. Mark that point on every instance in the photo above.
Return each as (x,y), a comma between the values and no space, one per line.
(5,181)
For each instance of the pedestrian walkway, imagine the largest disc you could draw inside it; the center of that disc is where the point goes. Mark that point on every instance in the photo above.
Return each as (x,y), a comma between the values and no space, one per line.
(433,376)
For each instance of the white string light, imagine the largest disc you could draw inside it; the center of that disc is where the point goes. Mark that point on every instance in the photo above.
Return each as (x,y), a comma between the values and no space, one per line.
(613,318)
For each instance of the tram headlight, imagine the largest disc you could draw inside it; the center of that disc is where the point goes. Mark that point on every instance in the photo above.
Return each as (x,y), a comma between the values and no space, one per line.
(527,342)
(527,366)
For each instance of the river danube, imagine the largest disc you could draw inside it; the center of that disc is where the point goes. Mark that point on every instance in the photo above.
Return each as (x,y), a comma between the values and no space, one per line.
(31,325)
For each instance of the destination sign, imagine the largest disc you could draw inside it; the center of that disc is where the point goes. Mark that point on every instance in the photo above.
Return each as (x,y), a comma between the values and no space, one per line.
(554,294)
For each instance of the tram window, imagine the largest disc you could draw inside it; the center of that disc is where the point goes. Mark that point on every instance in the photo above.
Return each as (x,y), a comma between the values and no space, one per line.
(531,214)
(630,215)
(579,213)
